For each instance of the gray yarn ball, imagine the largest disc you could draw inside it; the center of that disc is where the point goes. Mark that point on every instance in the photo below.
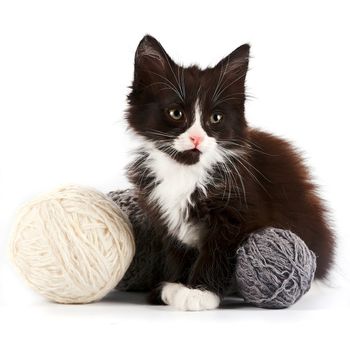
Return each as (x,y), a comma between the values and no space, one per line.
(274,268)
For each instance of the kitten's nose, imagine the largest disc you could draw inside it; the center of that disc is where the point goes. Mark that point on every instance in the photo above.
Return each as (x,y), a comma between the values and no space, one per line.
(196,140)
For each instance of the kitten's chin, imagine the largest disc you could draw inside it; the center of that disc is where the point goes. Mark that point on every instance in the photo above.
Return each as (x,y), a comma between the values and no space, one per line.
(188,157)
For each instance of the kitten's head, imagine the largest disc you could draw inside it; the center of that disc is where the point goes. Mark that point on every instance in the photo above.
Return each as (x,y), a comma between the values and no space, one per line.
(188,113)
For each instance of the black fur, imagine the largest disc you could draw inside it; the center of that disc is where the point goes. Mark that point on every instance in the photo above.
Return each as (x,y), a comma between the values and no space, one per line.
(274,188)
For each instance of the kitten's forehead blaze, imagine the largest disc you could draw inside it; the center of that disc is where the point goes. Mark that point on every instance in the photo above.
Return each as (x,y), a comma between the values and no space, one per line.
(197,126)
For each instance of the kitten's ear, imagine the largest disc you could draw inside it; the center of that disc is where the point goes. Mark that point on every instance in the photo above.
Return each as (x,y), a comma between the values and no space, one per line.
(236,63)
(151,60)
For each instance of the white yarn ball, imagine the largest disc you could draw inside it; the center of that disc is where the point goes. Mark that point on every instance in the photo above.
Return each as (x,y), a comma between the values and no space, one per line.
(72,245)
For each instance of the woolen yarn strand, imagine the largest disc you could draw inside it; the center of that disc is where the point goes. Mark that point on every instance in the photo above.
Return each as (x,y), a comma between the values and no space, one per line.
(72,245)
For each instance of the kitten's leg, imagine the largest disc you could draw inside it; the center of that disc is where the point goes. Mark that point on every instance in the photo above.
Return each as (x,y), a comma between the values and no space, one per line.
(178,263)
(154,296)
(210,278)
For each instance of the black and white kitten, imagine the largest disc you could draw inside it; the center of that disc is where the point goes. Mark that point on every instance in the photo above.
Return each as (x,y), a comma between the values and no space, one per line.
(207,180)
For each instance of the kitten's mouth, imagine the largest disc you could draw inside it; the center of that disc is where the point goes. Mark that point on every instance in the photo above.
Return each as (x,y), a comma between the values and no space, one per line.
(195,151)
(189,157)
(192,153)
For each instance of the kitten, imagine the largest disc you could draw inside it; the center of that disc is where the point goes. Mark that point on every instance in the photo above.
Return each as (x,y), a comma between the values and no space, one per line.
(207,180)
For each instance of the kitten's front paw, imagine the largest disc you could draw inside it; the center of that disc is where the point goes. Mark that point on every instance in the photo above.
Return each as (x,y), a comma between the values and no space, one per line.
(188,299)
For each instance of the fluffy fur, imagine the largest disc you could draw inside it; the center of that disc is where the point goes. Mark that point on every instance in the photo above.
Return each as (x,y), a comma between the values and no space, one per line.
(188,299)
(206,179)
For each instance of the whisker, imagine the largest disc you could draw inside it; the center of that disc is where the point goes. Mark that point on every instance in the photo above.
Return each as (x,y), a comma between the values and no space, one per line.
(239,160)
(224,88)
(227,158)
(162,77)
(246,143)
(158,133)
(252,166)
(178,77)
(230,178)
(171,86)
(222,74)
(183,81)
(171,68)
(242,146)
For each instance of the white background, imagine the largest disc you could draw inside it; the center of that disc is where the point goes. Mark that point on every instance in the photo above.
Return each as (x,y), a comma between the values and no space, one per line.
(64,71)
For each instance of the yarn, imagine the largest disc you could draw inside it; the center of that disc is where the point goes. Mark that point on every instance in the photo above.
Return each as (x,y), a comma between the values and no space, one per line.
(274,268)
(143,273)
(72,245)
(75,244)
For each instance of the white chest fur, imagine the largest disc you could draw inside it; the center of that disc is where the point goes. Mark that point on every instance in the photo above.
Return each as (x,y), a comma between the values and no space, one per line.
(177,182)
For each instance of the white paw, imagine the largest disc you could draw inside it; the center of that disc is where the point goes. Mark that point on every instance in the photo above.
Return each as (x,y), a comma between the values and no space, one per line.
(188,299)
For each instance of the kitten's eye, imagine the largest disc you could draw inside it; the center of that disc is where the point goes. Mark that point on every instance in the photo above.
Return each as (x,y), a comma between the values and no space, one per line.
(175,114)
(215,118)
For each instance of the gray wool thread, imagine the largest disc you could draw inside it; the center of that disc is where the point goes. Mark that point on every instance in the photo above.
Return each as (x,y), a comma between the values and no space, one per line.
(274,268)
